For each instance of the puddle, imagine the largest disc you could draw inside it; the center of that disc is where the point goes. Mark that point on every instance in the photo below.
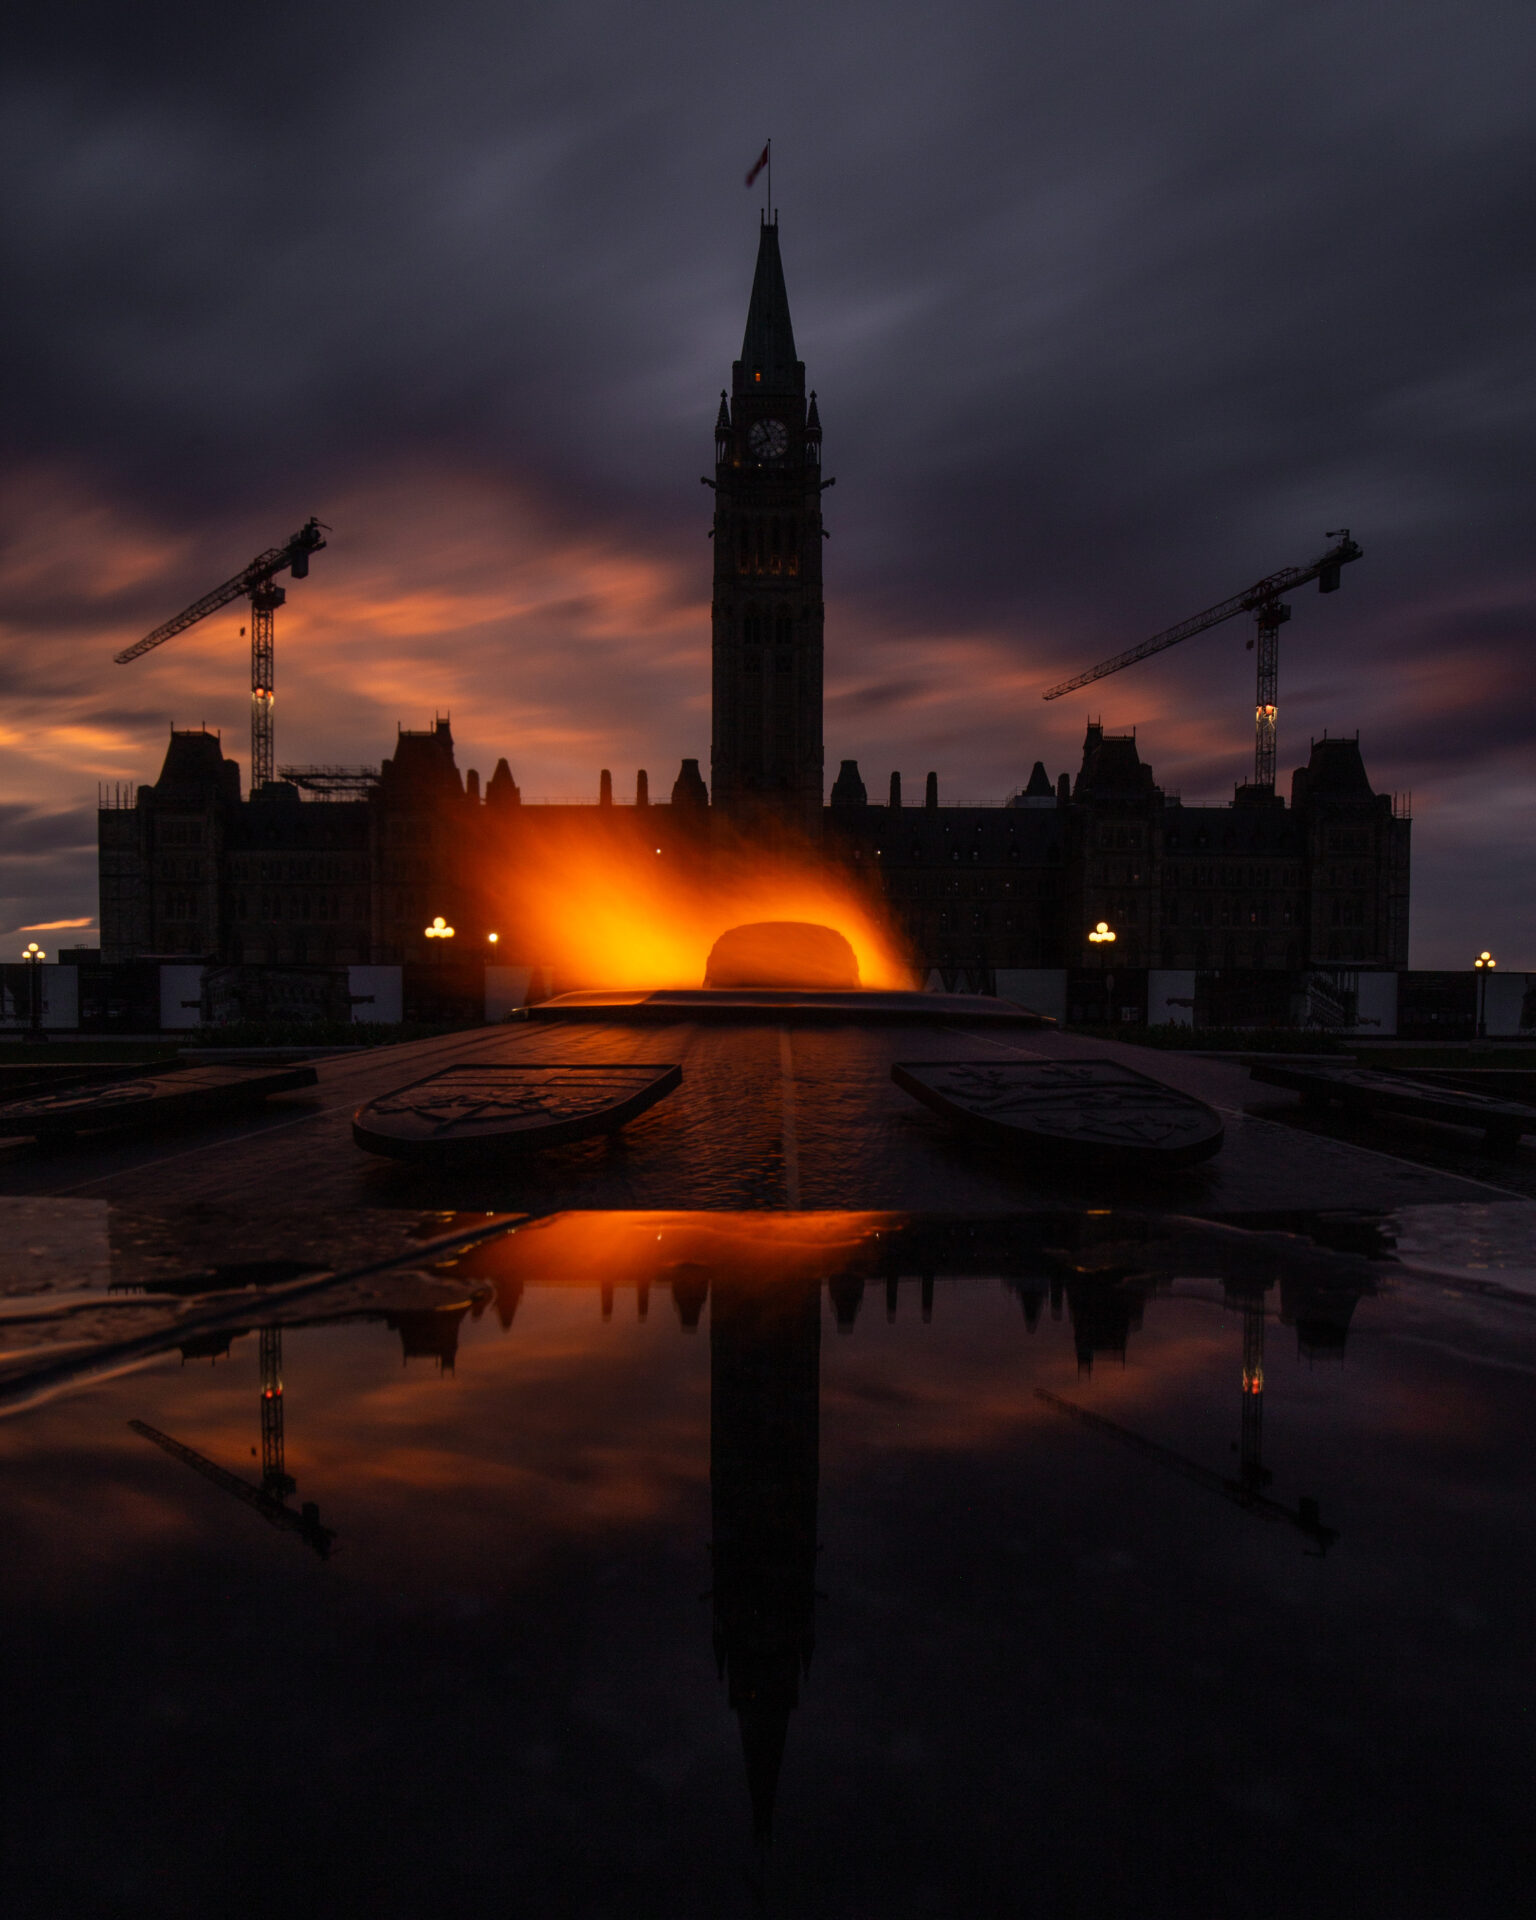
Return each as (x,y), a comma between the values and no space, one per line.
(1490,1246)
(807,1564)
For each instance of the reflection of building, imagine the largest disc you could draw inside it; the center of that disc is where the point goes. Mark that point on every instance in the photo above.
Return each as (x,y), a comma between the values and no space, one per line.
(193,870)
(765,1361)
(430,1333)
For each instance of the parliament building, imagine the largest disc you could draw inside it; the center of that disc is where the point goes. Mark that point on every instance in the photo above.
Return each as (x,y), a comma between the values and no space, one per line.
(289,877)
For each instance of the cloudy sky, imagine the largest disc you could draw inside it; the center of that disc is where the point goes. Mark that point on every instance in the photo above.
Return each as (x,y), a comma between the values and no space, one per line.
(1111,310)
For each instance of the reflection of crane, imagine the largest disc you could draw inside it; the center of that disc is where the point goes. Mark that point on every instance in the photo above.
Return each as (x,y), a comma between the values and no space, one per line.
(1247,1490)
(275,1478)
(305,1523)
(1263,601)
(1251,1469)
(256,582)
(269,1498)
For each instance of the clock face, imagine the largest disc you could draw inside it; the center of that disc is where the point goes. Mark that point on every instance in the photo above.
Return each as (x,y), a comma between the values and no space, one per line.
(768,440)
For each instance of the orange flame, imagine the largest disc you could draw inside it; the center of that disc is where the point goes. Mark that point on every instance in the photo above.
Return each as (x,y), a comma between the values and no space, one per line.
(630,898)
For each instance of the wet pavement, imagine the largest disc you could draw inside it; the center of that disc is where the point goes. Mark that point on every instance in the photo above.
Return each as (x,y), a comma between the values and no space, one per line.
(769,1115)
(784,1509)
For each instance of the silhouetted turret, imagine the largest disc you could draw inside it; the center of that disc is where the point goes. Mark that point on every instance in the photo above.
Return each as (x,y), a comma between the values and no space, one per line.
(501,790)
(688,789)
(847,1292)
(423,767)
(848,789)
(690,1289)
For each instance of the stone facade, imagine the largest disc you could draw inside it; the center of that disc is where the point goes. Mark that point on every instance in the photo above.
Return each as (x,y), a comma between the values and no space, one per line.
(193,871)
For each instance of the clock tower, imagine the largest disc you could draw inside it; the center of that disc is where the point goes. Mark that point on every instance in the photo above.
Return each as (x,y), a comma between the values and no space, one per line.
(766,757)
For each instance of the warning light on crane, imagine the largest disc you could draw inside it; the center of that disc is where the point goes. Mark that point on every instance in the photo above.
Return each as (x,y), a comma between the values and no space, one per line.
(257,583)
(1270,613)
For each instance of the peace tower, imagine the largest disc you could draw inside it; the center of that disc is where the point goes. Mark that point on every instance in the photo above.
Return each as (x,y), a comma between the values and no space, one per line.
(766,753)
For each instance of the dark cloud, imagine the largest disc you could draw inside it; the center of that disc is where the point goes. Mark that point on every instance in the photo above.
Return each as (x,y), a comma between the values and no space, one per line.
(1111,309)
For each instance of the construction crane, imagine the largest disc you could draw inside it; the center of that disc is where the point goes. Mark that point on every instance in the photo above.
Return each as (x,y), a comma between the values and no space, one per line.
(1248,1489)
(258,583)
(1263,601)
(270,1497)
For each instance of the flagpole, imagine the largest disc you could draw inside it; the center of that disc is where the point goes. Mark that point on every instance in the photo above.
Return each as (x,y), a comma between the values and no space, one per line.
(772,221)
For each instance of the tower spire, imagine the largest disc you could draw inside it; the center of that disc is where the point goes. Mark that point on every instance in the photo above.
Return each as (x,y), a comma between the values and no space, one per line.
(766,618)
(768,361)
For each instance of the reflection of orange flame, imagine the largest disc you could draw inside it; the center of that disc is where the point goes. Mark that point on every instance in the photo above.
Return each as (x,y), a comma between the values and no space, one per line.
(629,901)
(644,1249)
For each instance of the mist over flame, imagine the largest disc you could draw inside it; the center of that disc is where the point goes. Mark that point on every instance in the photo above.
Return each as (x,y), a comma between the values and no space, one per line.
(630,899)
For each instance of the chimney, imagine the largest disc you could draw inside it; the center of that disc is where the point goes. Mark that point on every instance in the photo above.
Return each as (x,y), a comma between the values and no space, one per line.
(642,788)
(605,788)
(895,793)
(931,797)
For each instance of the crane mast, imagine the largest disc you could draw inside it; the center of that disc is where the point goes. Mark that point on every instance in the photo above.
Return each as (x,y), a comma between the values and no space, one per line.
(257,582)
(270,1496)
(1263,600)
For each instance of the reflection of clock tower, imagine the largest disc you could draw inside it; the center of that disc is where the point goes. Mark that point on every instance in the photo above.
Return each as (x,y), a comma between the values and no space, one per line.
(767,615)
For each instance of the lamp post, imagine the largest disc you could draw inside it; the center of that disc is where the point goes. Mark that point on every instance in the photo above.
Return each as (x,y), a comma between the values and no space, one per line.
(1483,965)
(1103,936)
(442,933)
(34,956)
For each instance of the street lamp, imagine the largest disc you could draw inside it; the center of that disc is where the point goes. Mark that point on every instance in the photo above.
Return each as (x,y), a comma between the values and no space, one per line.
(439,930)
(1102,936)
(1484,964)
(34,956)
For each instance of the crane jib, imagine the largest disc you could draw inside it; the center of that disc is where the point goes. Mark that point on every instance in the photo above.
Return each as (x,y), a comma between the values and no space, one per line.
(1325,570)
(295,555)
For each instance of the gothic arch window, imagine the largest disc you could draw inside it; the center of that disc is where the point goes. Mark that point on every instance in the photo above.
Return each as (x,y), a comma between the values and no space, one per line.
(792,547)
(743,550)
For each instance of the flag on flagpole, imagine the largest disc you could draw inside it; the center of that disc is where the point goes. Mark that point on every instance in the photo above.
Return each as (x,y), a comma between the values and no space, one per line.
(758,164)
